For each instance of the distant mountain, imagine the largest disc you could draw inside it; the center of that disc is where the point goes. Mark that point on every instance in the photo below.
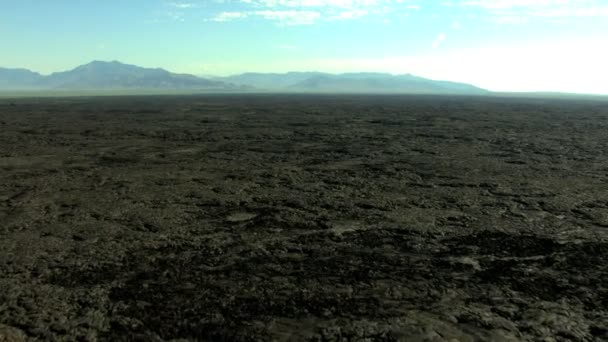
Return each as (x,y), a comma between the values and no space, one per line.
(108,75)
(103,75)
(99,75)
(18,78)
(270,81)
(365,82)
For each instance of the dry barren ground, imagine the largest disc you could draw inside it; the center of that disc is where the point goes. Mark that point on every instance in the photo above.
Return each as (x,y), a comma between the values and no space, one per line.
(324,218)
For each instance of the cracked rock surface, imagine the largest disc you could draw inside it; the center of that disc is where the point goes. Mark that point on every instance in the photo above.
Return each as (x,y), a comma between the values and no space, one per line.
(303,218)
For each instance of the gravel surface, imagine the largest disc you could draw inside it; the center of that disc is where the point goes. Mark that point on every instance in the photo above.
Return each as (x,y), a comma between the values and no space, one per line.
(303,218)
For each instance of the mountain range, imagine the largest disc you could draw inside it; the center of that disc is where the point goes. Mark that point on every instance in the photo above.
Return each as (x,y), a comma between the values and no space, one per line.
(99,75)
(363,82)
(105,75)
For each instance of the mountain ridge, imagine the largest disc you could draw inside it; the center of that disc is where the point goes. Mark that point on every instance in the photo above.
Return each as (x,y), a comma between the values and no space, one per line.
(105,75)
(355,82)
(108,75)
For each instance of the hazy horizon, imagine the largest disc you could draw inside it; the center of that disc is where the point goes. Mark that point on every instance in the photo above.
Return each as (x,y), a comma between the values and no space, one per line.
(514,46)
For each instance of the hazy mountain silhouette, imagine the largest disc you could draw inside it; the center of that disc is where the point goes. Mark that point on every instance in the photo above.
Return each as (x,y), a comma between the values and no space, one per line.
(19,78)
(364,82)
(103,75)
(270,81)
(115,75)
(109,75)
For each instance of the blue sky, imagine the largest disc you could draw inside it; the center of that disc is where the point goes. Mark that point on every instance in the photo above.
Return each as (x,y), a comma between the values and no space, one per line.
(516,45)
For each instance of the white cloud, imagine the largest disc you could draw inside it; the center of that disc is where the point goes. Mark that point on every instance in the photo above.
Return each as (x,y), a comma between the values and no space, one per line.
(507,4)
(439,40)
(228,16)
(306,12)
(182,5)
(283,17)
(291,17)
(176,10)
(521,11)
(176,16)
(317,3)
(595,11)
(350,14)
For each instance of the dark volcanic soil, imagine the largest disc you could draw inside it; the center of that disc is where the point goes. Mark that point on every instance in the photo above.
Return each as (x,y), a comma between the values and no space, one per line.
(303,218)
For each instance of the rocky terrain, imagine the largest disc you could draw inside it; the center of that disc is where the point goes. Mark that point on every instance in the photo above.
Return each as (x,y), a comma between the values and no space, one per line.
(303,218)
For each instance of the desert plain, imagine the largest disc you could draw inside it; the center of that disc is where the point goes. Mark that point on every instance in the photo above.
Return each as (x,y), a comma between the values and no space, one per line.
(303,218)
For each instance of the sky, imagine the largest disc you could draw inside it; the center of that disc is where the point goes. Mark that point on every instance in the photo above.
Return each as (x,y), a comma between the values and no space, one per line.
(500,45)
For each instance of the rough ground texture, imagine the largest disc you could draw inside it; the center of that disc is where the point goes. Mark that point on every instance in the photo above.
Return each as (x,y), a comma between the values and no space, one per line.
(303,218)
